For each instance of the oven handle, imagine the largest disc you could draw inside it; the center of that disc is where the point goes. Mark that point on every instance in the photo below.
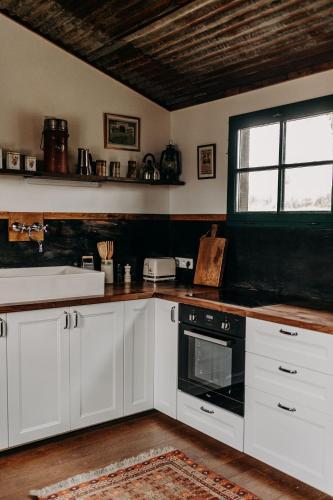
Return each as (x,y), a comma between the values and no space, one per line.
(224,343)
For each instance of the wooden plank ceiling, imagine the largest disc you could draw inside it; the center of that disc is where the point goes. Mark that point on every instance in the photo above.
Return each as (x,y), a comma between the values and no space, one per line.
(181,52)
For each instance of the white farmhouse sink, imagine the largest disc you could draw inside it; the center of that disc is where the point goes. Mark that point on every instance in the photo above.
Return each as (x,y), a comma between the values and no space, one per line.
(28,284)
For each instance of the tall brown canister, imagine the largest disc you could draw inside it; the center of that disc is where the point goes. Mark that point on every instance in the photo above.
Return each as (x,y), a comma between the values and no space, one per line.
(55,145)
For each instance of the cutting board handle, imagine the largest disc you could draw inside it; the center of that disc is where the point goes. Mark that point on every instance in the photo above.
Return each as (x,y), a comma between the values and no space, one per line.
(214,230)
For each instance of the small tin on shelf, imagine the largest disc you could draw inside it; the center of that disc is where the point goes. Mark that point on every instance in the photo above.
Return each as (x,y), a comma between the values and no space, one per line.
(13,160)
(30,163)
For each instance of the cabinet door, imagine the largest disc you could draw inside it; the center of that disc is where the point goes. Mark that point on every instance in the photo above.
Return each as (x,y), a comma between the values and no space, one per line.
(3,385)
(139,356)
(166,357)
(96,363)
(38,374)
(298,441)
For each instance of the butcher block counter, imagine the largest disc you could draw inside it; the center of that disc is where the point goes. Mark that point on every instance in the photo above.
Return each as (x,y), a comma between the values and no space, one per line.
(313,319)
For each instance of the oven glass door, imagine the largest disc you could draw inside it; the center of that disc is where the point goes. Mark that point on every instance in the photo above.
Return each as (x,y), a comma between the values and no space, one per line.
(211,367)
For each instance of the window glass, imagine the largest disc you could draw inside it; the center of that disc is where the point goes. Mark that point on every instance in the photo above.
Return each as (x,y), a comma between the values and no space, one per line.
(308,188)
(259,146)
(309,139)
(257,191)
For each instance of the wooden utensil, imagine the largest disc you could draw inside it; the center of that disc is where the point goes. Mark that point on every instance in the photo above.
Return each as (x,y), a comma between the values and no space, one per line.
(102,250)
(211,259)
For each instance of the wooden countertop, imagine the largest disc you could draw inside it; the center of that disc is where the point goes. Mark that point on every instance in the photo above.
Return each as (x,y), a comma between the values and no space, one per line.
(321,321)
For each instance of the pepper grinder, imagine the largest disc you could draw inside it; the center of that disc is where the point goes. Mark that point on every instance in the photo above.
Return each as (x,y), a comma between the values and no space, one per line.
(127,275)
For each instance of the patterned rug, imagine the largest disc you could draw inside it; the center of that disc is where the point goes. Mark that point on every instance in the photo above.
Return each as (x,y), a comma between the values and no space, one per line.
(166,474)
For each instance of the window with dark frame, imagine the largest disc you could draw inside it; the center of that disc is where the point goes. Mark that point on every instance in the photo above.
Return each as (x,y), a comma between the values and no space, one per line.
(281,164)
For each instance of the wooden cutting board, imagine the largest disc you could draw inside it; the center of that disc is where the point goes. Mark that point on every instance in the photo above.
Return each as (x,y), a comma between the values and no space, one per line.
(210,263)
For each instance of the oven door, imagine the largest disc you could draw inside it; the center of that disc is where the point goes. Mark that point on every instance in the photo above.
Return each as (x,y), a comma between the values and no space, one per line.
(211,367)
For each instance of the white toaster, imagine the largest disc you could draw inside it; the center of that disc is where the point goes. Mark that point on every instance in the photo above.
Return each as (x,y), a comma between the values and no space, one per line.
(159,269)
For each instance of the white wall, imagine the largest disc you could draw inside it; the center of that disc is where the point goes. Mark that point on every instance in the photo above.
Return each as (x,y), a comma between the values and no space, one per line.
(208,123)
(38,79)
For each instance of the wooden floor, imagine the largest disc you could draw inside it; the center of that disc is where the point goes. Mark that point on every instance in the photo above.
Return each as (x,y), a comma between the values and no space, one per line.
(44,463)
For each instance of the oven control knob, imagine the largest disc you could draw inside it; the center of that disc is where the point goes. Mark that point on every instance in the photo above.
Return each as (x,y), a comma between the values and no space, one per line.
(193,317)
(225,325)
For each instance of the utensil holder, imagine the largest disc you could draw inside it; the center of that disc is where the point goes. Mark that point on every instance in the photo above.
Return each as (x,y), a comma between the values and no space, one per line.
(107,268)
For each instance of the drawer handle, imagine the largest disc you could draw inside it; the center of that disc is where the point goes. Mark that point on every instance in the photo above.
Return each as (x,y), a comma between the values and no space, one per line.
(291,334)
(206,410)
(285,370)
(286,408)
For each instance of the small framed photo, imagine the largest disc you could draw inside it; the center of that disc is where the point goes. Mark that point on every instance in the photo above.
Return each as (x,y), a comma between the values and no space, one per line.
(13,161)
(121,132)
(207,161)
(30,163)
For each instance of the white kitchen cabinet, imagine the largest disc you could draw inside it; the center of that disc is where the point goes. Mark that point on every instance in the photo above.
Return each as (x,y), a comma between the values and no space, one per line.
(3,385)
(96,363)
(166,357)
(138,356)
(295,439)
(211,420)
(38,374)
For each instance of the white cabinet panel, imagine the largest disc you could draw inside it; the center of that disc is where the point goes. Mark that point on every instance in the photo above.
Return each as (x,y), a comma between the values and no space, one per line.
(211,420)
(166,357)
(298,442)
(96,363)
(303,347)
(139,356)
(3,386)
(38,375)
(306,387)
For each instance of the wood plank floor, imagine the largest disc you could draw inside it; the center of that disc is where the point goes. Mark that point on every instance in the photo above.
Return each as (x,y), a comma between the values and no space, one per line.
(44,463)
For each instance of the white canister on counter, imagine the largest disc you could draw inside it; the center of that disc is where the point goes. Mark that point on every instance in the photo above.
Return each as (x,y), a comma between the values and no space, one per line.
(127,275)
(107,268)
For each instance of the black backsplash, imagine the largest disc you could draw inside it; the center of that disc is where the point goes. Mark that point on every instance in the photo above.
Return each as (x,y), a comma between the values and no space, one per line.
(292,262)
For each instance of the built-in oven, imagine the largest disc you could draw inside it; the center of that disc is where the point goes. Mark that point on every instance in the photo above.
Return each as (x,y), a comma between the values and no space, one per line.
(211,360)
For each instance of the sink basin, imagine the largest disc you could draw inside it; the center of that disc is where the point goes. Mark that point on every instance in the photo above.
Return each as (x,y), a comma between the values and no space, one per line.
(28,284)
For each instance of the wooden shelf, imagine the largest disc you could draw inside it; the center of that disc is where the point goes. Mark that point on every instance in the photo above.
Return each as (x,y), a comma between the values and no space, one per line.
(87,178)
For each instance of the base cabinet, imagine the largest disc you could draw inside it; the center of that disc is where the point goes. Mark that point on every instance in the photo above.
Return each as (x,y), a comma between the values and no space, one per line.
(96,363)
(138,356)
(290,437)
(166,357)
(38,375)
(3,385)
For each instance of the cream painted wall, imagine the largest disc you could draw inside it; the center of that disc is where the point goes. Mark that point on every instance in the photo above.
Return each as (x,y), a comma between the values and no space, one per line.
(38,79)
(208,123)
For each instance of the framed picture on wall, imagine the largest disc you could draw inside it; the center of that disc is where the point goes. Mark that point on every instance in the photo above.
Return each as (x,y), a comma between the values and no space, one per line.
(207,161)
(121,132)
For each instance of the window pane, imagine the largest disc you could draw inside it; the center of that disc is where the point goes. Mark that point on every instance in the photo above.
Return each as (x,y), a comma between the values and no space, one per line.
(257,191)
(259,146)
(309,139)
(308,188)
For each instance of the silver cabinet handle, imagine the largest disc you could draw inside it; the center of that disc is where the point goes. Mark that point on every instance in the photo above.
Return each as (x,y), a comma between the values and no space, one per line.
(285,332)
(286,370)
(67,321)
(76,319)
(287,408)
(173,310)
(202,408)
(3,328)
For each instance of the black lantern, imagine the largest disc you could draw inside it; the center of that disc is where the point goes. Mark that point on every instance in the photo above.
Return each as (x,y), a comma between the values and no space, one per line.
(170,164)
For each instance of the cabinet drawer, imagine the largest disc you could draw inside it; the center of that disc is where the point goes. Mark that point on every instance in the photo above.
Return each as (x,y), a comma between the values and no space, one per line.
(300,385)
(211,420)
(298,442)
(298,346)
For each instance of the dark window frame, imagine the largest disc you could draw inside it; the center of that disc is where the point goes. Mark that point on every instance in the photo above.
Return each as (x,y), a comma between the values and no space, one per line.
(268,116)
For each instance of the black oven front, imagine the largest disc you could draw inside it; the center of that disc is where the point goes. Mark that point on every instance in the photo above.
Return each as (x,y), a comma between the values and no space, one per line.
(211,360)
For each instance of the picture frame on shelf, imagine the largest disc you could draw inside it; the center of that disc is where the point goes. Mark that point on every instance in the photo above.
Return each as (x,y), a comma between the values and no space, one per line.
(30,163)
(206,161)
(13,160)
(122,132)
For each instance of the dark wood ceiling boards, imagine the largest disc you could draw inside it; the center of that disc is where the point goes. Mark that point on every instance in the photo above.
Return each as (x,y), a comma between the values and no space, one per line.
(184,52)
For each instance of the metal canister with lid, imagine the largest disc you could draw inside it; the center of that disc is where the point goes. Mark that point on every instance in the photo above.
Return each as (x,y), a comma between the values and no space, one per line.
(55,145)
